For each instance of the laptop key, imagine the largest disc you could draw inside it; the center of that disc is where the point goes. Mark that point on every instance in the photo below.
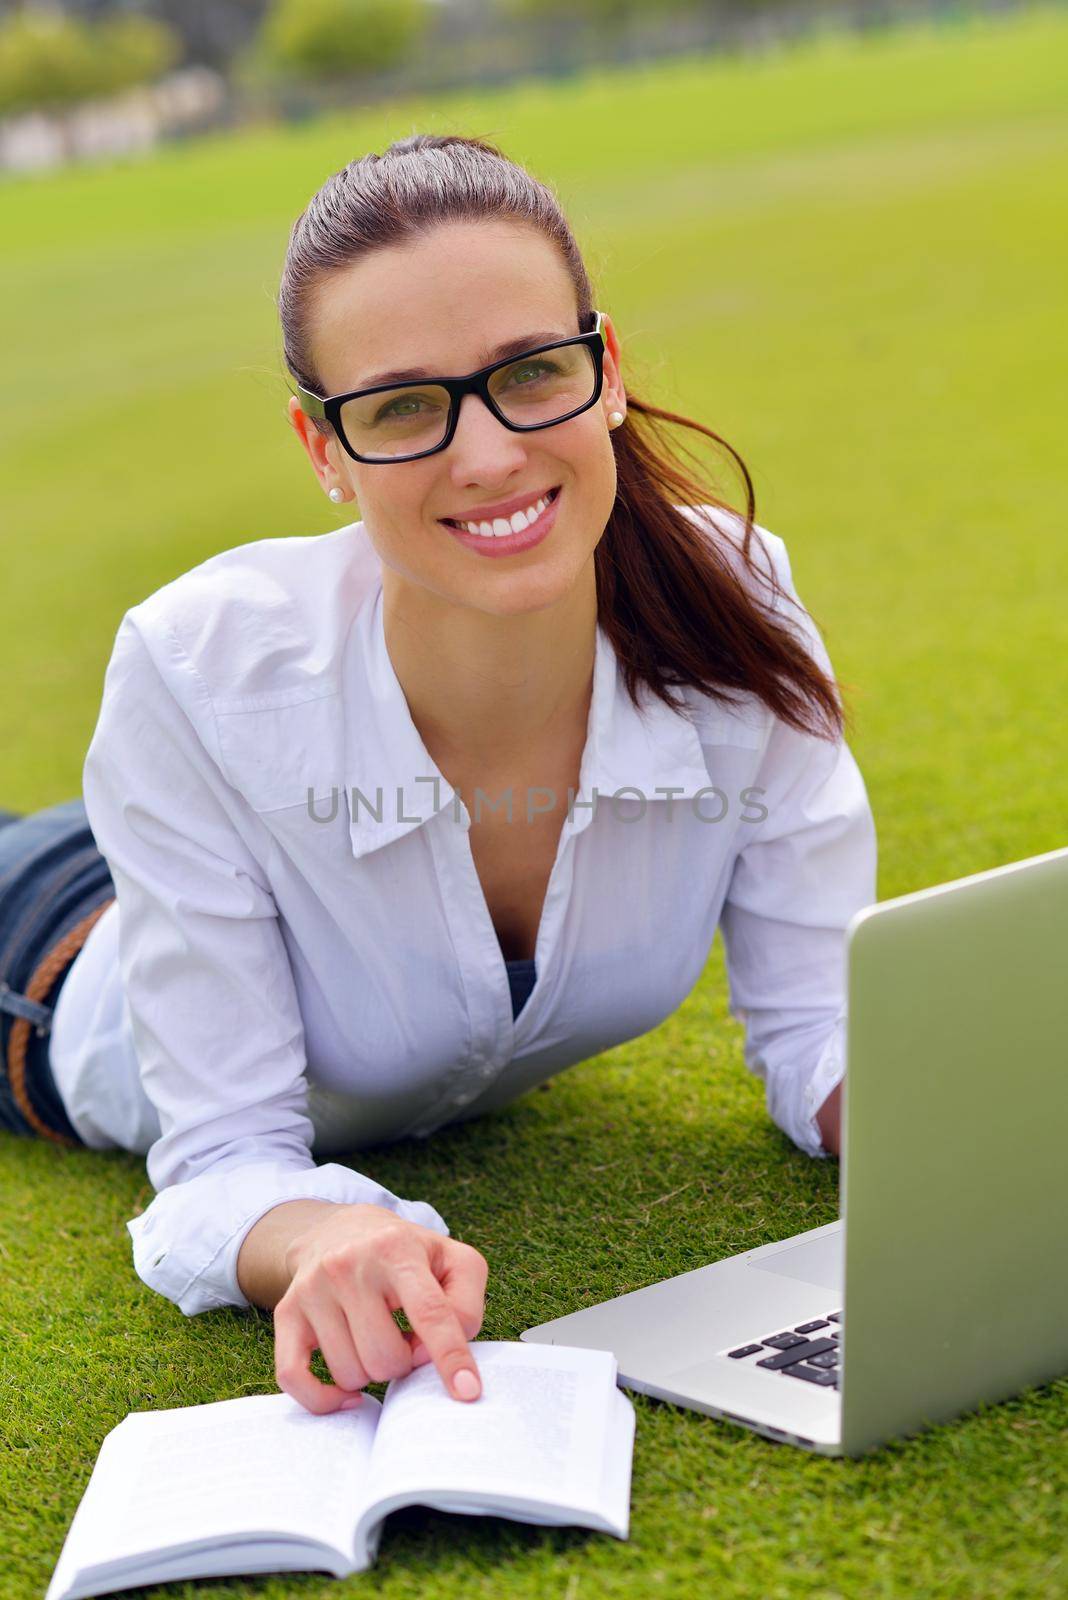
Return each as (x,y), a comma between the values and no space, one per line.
(827,1380)
(829,1358)
(810,1327)
(746,1350)
(783,1341)
(801,1352)
(834,1316)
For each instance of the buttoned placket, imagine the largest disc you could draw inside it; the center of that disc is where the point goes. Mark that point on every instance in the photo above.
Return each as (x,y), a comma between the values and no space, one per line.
(478,958)
(495,1033)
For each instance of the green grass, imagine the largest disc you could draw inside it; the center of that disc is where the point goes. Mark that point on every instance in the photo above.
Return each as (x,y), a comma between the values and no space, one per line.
(848,259)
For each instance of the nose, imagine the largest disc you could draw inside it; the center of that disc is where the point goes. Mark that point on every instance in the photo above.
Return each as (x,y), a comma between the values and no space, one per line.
(482,448)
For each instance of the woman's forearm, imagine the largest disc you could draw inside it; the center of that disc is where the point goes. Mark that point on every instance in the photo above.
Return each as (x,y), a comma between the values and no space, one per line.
(262,1273)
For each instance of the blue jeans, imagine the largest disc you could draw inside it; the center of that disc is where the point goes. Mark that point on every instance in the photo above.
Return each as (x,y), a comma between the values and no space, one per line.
(52,876)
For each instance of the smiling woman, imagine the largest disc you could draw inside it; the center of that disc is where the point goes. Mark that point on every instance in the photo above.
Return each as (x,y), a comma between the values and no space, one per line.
(538,599)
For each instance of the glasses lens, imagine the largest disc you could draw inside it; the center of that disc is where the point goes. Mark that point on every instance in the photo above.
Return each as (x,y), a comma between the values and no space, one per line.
(539,389)
(531,392)
(396,422)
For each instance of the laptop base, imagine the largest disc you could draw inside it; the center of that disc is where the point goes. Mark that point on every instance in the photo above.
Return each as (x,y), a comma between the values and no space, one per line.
(671,1339)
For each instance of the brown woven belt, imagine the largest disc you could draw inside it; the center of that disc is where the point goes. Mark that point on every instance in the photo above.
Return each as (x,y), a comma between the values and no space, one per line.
(41,981)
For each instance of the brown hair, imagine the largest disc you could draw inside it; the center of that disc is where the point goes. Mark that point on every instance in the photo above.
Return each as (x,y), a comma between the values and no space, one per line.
(669,595)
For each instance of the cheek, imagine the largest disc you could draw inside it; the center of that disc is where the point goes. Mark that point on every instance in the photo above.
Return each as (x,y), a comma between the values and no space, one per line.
(395,512)
(405,538)
(589,456)
(603,474)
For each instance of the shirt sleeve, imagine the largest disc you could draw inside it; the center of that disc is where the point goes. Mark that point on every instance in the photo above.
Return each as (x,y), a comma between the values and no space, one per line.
(213,1006)
(802,873)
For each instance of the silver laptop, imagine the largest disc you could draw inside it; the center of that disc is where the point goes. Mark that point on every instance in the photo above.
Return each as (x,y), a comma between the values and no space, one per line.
(944,1284)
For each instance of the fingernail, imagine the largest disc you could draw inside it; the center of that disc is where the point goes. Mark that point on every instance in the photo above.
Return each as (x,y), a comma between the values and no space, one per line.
(466,1386)
(352,1403)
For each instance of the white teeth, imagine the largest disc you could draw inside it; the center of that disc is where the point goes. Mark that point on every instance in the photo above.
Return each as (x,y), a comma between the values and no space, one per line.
(500,527)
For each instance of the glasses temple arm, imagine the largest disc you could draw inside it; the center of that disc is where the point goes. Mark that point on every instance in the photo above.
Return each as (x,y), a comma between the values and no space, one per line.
(311,404)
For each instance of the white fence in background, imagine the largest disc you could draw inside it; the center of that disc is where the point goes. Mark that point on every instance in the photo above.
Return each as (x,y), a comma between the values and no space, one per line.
(185,101)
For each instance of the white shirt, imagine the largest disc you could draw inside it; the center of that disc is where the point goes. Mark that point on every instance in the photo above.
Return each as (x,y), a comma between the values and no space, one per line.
(269,988)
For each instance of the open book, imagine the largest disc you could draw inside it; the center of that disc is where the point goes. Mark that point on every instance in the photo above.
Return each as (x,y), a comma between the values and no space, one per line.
(259,1484)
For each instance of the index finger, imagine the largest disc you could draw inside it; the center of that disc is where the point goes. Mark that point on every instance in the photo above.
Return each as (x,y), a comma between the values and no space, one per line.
(462,1273)
(426,1305)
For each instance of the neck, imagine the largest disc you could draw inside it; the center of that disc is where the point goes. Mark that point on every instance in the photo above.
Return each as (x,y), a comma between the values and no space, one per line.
(488,691)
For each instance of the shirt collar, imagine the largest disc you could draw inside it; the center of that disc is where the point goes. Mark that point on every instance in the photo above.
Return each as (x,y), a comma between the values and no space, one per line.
(626,749)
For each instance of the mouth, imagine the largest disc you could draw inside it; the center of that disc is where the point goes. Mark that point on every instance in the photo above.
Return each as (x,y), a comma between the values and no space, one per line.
(503,527)
(511,542)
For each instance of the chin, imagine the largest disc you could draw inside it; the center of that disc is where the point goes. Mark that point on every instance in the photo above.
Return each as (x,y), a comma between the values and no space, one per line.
(537,587)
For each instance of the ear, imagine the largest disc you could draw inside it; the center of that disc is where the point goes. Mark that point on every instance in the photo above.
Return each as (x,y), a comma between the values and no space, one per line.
(613,393)
(321,448)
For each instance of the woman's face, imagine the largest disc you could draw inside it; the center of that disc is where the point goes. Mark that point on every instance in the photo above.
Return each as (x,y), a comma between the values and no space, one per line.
(442,304)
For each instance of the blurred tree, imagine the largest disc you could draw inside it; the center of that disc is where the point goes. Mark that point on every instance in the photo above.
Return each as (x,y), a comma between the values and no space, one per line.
(211,31)
(133,49)
(597,12)
(49,60)
(44,61)
(325,39)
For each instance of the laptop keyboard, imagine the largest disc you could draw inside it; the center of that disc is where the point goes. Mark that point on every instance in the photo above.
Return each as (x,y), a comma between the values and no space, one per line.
(810,1351)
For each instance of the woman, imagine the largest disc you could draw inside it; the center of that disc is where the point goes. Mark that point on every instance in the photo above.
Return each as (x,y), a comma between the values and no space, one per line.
(390,824)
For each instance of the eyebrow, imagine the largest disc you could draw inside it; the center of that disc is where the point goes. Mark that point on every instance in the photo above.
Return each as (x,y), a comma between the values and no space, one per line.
(510,347)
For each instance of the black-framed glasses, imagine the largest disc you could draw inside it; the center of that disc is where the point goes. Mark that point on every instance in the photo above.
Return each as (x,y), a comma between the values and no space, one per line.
(401,422)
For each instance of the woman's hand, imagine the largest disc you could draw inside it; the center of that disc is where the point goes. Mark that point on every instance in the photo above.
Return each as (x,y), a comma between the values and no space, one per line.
(349,1272)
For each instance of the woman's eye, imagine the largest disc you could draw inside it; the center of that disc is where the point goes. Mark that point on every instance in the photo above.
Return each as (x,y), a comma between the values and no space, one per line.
(392,411)
(536,367)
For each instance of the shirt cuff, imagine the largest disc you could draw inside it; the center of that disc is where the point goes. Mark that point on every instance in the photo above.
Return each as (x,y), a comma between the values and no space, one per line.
(186,1243)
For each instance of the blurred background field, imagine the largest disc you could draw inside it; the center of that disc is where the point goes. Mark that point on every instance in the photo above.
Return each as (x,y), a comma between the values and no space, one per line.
(847,258)
(845,255)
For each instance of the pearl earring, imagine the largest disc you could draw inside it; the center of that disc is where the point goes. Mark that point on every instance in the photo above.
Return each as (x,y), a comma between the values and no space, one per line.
(615,418)
(337,495)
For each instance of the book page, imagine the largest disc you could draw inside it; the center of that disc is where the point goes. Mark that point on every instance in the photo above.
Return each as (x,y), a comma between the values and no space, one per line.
(539,1432)
(223,1472)
(615,1488)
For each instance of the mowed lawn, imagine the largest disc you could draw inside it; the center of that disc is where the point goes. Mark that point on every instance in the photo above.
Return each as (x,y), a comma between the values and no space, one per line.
(849,260)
